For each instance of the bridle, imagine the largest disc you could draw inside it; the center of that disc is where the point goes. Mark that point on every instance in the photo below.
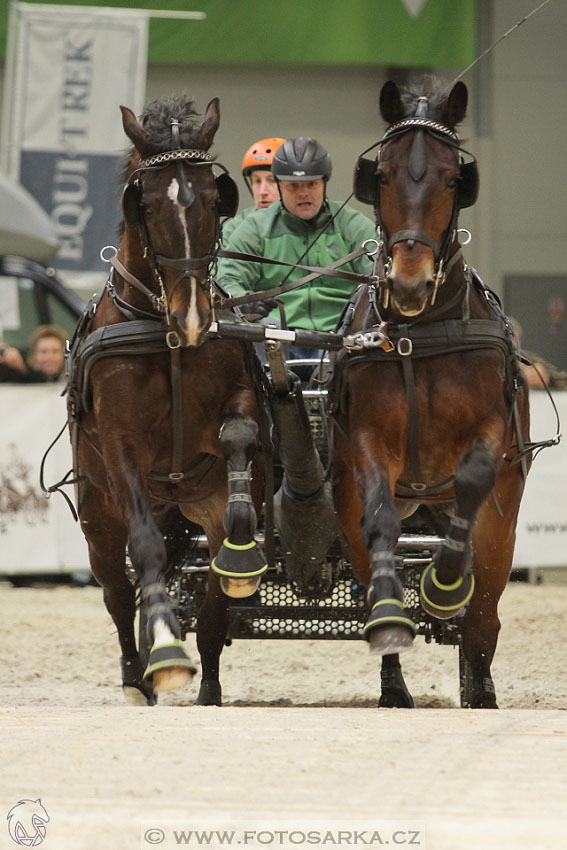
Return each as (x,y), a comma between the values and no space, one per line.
(134,217)
(417,165)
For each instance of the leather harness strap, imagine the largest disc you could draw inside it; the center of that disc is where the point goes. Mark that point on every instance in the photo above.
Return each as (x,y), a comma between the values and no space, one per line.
(316,271)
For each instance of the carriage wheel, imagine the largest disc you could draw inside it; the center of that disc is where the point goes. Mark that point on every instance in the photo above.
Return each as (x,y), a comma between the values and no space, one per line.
(465,679)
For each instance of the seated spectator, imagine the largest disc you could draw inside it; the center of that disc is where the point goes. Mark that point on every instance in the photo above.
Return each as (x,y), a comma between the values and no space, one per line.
(45,360)
(539,373)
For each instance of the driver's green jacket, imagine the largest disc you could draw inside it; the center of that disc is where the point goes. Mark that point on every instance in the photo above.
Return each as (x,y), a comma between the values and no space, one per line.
(275,233)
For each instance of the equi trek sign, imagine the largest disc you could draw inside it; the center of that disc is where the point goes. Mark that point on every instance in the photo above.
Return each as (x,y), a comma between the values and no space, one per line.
(70,68)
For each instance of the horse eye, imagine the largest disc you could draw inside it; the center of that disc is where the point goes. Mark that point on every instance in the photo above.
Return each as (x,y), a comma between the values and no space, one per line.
(453,182)
(383,178)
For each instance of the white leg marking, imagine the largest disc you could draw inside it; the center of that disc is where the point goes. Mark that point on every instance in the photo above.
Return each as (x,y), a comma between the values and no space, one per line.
(162,634)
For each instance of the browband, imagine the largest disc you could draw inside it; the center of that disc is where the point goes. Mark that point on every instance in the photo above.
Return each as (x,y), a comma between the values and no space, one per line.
(172,156)
(426,123)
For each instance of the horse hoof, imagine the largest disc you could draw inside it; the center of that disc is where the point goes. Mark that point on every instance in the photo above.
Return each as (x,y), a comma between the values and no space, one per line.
(389,640)
(169,667)
(137,695)
(239,588)
(388,630)
(172,678)
(395,698)
(210,693)
(443,601)
(239,568)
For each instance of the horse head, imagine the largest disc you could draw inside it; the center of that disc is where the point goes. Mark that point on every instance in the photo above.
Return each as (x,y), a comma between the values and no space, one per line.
(171,207)
(418,192)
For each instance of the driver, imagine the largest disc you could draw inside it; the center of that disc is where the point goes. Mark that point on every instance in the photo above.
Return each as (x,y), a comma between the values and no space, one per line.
(304,226)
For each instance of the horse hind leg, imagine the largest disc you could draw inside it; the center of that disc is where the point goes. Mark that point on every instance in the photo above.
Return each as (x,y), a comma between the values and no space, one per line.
(106,535)
(447,584)
(394,692)
(239,563)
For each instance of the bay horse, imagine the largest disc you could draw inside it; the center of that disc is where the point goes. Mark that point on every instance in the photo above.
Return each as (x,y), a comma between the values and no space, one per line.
(162,415)
(431,408)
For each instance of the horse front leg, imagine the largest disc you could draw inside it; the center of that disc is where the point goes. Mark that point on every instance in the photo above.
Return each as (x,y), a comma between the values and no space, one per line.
(240,562)
(388,629)
(447,584)
(168,665)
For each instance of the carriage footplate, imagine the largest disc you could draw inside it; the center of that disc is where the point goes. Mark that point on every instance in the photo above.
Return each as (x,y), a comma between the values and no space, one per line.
(240,568)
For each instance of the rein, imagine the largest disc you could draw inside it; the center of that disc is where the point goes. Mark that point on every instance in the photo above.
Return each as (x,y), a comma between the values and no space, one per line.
(315,272)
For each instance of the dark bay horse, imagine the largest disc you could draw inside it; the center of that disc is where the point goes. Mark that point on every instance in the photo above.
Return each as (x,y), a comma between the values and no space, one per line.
(432,408)
(162,415)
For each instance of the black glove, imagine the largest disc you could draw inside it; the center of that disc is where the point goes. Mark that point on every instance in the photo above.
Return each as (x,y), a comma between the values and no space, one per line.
(257,310)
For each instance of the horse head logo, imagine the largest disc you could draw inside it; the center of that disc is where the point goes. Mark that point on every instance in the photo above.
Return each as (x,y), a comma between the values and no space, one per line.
(26,823)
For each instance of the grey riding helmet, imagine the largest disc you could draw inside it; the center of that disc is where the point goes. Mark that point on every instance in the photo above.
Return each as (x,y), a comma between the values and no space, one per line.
(301,159)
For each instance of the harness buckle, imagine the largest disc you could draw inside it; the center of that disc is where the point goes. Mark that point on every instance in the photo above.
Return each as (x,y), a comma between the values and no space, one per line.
(418,486)
(175,476)
(405,348)
(103,256)
(376,249)
(173,341)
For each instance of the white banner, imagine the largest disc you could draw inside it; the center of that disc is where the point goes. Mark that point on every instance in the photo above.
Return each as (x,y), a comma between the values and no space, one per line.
(541,539)
(37,535)
(68,70)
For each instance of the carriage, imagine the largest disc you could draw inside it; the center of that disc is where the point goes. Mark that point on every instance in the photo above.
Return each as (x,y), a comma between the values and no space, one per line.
(421,417)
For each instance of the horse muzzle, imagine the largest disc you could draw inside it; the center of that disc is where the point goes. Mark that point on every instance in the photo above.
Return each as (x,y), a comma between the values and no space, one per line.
(411,277)
(187,328)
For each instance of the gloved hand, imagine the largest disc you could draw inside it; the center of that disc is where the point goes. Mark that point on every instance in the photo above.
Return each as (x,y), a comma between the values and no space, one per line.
(257,310)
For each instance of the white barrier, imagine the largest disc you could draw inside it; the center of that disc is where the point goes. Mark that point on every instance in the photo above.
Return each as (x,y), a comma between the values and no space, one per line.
(37,535)
(40,536)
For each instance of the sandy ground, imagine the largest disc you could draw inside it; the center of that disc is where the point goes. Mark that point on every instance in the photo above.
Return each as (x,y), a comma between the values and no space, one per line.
(298,755)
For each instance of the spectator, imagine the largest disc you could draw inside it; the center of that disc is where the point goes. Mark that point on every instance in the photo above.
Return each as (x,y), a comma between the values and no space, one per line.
(256,170)
(539,372)
(45,360)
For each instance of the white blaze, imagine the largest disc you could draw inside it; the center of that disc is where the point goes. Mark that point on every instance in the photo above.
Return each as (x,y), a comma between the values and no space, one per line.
(192,318)
(172,194)
(192,323)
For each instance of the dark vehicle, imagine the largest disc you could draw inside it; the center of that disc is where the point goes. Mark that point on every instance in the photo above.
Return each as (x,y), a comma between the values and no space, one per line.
(30,292)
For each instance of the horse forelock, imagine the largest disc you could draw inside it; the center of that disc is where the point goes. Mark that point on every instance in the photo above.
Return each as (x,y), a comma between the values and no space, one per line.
(156,120)
(436,99)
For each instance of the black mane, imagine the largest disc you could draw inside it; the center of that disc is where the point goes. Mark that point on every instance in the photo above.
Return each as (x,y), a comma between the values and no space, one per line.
(156,119)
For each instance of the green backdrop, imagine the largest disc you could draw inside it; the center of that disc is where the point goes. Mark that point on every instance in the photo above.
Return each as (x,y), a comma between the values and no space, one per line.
(323,32)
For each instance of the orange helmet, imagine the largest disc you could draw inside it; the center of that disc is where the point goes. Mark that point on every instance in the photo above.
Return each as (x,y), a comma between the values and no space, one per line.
(260,155)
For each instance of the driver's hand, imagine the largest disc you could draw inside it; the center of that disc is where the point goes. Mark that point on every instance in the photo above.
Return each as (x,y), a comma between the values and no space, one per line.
(257,310)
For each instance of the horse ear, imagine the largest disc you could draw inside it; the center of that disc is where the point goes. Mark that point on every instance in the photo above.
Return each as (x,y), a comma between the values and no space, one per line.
(210,124)
(139,137)
(456,105)
(391,106)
